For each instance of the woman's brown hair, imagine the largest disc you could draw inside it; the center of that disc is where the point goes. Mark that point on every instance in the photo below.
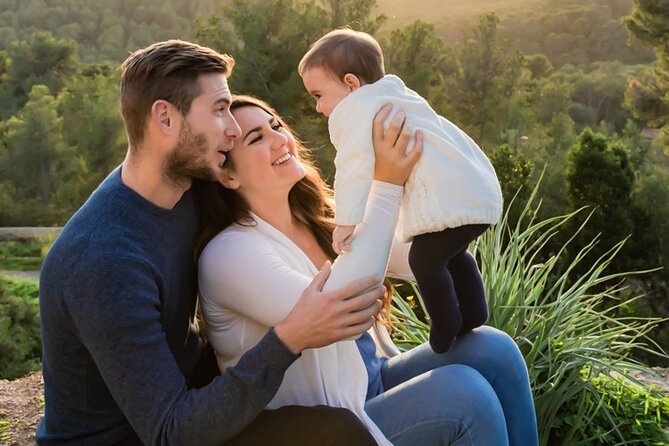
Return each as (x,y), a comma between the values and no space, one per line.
(311,199)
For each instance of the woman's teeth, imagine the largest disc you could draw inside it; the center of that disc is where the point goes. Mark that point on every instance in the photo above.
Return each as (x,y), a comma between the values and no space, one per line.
(282,160)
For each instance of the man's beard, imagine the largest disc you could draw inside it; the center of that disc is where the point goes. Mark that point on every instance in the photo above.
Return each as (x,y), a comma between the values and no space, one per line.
(187,160)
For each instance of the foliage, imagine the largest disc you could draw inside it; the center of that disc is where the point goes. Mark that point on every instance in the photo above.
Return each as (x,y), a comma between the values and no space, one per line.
(268,47)
(568,340)
(20,346)
(513,171)
(37,161)
(640,414)
(648,96)
(574,32)
(41,60)
(416,55)
(104,30)
(600,175)
(484,84)
(23,255)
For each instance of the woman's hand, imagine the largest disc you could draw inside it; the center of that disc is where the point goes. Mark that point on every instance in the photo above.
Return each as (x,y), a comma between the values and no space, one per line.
(393,165)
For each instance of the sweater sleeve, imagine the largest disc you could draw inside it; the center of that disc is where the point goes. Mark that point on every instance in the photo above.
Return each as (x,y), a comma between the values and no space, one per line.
(351,134)
(120,325)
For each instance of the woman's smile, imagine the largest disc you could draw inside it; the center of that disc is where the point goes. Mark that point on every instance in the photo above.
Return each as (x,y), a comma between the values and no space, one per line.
(282,159)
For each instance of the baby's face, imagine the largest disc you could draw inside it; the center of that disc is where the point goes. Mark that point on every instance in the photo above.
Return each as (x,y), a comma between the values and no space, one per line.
(325,88)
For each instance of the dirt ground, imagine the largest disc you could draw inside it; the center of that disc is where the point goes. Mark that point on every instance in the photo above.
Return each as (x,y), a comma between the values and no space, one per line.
(22,407)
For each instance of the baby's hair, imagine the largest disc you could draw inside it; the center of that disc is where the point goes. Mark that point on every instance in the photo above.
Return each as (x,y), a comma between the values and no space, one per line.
(345,51)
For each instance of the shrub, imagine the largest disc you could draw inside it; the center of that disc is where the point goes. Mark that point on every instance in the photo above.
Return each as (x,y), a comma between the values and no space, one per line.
(638,415)
(577,350)
(20,346)
(21,255)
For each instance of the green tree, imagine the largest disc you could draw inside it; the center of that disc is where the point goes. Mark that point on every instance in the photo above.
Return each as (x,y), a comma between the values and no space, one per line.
(354,13)
(92,126)
(481,82)
(513,171)
(42,60)
(648,96)
(599,175)
(37,162)
(268,39)
(416,54)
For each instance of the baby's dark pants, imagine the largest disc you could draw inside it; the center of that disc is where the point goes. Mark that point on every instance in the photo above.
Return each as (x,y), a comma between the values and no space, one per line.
(449,282)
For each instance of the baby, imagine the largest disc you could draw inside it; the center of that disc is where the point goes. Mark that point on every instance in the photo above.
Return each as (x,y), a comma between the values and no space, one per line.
(451,197)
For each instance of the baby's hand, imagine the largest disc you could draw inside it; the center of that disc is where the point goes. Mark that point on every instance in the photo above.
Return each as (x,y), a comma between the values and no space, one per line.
(341,239)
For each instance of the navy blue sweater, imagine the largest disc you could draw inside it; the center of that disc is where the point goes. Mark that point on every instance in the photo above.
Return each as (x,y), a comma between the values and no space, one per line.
(116,300)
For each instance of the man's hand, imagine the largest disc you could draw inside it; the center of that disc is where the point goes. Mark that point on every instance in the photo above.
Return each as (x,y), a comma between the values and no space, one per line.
(321,318)
(393,165)
(342,236)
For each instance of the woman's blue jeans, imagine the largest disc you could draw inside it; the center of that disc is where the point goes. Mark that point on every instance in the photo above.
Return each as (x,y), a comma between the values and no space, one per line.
(478,393)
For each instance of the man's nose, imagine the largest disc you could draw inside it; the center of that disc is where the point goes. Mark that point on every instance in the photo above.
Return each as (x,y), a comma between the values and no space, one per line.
(232,130)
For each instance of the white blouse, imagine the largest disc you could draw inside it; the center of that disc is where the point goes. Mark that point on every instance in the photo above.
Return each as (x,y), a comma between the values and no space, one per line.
(250,278)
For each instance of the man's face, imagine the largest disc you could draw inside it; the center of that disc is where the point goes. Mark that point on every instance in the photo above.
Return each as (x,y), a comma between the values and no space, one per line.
(325,88)
(207,133)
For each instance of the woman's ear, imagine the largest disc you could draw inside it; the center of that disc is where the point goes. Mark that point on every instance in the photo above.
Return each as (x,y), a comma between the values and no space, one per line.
(228,179)
(352,81)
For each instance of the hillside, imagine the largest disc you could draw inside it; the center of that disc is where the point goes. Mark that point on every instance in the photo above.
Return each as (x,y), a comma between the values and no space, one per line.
(567,31)
(450,17)
(577,32)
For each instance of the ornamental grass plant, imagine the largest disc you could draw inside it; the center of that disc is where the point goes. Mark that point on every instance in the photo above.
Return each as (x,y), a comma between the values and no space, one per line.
(577,349)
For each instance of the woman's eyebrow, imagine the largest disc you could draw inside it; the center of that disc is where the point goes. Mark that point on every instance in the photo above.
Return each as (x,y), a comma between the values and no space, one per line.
(254,129)
(258,128)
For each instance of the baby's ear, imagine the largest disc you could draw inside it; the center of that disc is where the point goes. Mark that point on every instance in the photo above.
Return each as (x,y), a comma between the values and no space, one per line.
(228,180)
(352,81)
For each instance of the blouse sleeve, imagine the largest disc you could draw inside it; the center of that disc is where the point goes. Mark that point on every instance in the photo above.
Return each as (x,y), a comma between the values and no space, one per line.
(243,272)
(398,265)
(372,238)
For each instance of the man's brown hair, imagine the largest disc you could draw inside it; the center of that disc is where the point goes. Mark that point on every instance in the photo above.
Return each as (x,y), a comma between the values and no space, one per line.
(346,51)
(169,71)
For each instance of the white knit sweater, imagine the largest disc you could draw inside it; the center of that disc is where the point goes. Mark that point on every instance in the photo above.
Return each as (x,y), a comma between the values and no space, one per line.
(452,185)
(251,276)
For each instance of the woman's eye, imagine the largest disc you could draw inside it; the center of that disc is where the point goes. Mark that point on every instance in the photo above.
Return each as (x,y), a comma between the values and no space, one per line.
(256,139)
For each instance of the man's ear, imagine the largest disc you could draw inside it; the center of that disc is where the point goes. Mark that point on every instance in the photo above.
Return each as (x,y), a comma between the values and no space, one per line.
(228,179)
(164,116)
(352,81)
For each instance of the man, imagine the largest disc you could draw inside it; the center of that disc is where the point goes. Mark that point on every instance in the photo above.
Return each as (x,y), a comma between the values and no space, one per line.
(117,289)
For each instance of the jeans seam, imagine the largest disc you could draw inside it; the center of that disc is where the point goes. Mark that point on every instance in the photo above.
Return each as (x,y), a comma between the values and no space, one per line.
(434,420)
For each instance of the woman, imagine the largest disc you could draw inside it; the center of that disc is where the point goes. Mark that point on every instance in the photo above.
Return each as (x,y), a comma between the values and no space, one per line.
(269,227)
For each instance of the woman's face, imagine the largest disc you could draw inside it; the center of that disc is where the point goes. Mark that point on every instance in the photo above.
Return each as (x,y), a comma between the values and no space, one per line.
(263,159)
